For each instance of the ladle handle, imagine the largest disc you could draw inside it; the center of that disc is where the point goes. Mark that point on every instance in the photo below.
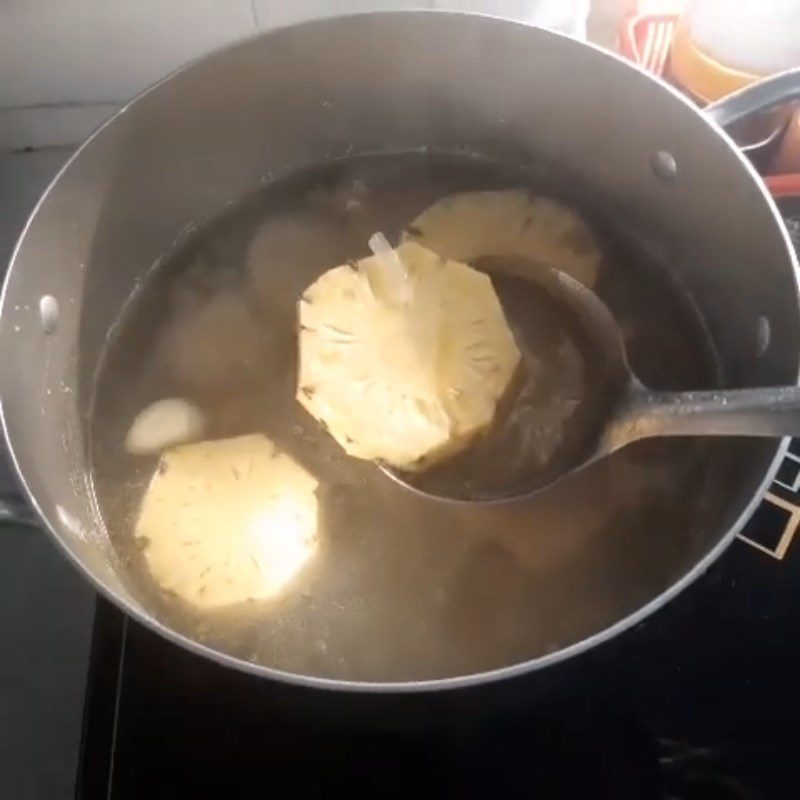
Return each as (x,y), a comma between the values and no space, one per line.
(772,411)
(755,98)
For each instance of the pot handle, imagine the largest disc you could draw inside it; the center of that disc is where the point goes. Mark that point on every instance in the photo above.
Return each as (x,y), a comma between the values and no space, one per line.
(15,511)
(762,96)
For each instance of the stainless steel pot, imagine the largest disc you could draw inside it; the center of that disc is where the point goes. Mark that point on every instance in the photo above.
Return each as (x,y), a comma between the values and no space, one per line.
(219,128)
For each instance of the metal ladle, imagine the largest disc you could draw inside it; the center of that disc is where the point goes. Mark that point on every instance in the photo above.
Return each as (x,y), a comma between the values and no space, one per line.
(628,411)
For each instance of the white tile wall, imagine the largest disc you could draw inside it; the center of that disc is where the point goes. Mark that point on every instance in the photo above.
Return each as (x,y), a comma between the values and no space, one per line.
(568,16)
(67,64)
(51,125)
(272,13)
(92,51)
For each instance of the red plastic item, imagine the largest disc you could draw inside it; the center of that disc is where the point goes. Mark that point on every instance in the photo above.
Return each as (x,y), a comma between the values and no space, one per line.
(783,185)
(645,39)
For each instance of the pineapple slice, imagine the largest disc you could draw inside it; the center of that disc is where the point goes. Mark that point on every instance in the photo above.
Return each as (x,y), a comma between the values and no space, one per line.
(227,521)
(510,223)
(404,363)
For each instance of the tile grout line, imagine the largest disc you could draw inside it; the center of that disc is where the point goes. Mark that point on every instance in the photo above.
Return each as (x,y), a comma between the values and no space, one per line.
(254,13)
(59,105)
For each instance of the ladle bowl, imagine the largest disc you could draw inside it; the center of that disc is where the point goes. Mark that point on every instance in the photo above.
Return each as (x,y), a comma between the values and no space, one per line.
(625,409)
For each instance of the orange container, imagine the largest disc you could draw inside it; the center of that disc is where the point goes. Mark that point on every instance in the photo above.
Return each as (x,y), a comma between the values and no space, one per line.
(701,75)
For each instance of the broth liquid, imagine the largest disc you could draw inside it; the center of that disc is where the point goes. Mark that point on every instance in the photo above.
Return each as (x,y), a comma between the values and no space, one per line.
(402,588)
